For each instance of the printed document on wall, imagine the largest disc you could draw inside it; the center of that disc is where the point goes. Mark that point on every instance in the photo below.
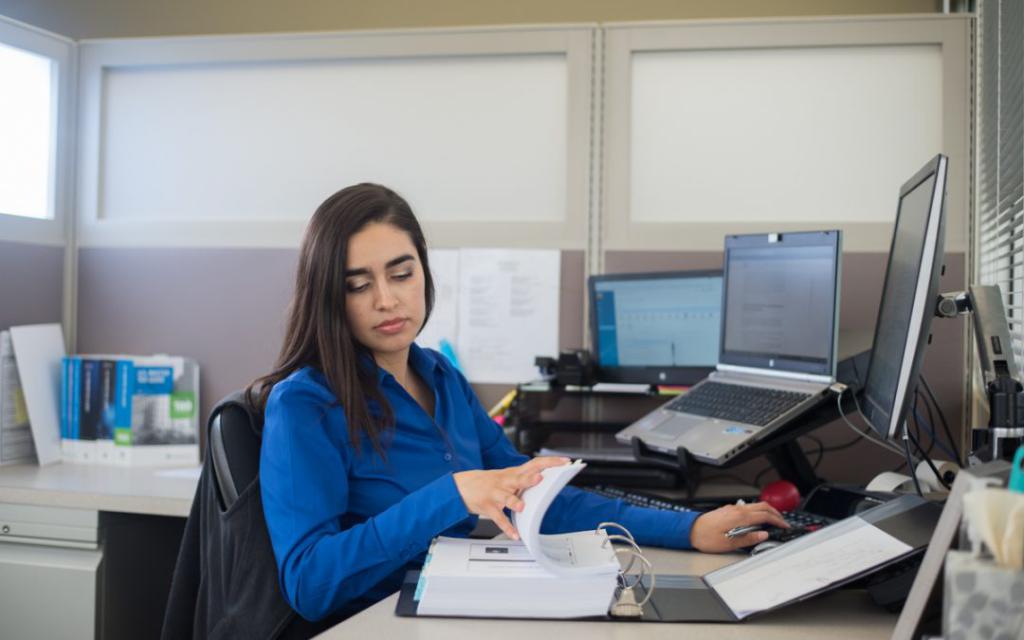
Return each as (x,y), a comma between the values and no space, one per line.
(508,312)
(444,319)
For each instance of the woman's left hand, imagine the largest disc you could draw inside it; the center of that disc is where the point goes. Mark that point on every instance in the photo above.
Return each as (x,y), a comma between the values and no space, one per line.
(709,529)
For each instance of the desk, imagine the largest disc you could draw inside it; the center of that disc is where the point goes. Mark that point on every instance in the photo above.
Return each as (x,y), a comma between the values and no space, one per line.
(846,614)
(99,540)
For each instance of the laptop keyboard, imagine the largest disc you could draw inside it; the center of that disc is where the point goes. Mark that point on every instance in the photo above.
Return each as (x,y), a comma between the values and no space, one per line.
(750,405)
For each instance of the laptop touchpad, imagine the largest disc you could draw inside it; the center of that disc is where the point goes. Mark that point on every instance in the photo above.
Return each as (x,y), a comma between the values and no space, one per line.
(675,426)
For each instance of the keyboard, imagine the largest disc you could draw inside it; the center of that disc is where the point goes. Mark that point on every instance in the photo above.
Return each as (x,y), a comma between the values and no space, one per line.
(800,522)
(750,405)
(638,499)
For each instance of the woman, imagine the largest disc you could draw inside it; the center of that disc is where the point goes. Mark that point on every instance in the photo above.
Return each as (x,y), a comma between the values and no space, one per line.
(373,446)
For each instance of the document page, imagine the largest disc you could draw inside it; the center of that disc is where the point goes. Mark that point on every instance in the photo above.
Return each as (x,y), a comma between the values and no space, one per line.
(507,312)
(804,566)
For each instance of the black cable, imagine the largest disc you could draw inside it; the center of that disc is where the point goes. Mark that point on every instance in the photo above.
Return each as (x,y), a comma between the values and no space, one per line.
(821,450)
(931,419)
(945,425)
(910,460)
(931,465)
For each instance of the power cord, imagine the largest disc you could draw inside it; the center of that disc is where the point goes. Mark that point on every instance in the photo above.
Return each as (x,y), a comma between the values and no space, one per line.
(839,389)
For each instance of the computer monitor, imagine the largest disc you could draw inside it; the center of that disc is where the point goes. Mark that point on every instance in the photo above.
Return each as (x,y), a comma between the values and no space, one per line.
(656,328)
(908,299)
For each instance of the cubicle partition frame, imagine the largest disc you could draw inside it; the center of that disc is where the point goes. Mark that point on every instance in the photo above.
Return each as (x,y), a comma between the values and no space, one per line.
(98,57)
(950,33)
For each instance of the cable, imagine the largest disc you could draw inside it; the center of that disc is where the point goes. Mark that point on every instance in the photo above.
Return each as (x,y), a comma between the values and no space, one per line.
(910,460)
(945,425)
(931,465)
(931,419)
(918,419)
(862,434)
(821,450)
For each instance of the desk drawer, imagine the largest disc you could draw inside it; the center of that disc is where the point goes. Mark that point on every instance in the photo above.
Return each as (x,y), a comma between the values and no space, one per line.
(31,523)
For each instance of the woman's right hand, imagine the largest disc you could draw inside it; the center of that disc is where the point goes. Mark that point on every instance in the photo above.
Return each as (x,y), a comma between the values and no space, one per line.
(488,493)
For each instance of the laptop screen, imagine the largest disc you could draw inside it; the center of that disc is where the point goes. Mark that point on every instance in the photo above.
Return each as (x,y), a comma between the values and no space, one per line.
(781,301)
(659,328)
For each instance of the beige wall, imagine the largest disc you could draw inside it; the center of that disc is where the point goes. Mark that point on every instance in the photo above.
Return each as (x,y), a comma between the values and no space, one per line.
(125,18)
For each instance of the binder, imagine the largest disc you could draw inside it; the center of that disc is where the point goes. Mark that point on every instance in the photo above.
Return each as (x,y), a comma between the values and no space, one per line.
(884,535)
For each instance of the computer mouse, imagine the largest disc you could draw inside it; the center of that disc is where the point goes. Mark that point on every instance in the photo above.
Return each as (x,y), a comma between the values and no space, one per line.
(767,545)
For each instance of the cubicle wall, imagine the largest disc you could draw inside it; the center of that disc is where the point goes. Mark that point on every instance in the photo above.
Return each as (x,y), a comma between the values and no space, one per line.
(716,128)
(627,147)
(201,160)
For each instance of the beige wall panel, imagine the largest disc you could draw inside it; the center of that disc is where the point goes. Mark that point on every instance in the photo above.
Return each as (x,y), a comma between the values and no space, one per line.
(128,18)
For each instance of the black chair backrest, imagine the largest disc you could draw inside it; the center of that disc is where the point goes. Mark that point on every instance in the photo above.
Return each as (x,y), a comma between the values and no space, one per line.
(234,446)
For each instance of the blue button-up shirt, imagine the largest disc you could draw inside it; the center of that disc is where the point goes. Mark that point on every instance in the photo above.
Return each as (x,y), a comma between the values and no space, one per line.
(345,523)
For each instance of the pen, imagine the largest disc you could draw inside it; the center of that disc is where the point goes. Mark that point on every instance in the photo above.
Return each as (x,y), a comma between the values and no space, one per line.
(740,531)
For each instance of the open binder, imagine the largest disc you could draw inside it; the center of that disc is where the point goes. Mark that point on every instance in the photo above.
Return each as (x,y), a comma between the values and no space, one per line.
(798,570)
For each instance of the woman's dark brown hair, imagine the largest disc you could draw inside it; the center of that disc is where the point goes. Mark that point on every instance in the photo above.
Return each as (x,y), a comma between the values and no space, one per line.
(317,333)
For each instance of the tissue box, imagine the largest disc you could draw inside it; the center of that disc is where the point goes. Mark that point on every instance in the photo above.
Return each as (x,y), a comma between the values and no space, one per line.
(982,599)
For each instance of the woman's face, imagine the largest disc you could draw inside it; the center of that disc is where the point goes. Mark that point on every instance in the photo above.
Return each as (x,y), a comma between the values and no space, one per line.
(384,300)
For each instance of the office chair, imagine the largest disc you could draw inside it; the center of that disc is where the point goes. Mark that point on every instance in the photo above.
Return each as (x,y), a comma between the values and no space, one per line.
(227,519)
(234,441)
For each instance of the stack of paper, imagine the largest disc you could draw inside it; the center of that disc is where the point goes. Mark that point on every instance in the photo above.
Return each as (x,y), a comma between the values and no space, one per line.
(544,576)
(15,435)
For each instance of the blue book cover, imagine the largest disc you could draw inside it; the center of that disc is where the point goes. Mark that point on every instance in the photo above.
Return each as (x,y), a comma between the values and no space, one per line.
(76,397)
(65,395)
(91,411)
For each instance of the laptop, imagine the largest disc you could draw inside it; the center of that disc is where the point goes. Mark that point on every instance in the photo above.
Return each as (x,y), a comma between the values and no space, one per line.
(776,355)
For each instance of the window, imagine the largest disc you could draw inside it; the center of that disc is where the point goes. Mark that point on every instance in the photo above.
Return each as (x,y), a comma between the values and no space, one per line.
(27,127)
(999,203)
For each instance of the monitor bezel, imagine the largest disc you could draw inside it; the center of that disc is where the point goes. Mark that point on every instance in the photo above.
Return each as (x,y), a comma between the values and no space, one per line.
(654,375)
(923,312)
(831,238)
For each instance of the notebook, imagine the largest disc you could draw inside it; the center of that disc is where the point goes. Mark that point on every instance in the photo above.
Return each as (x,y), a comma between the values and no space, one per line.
(777,353)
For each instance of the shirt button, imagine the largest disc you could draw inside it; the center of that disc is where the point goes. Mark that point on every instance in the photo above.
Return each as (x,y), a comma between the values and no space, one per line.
(447,457)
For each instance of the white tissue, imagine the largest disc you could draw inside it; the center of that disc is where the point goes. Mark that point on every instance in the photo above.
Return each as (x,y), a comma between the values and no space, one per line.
(996,517)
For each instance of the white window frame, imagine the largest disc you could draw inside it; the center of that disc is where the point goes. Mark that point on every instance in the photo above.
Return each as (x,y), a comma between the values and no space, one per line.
(62,51)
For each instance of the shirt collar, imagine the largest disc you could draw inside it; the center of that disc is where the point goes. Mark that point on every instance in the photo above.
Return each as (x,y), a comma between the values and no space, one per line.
(419,360)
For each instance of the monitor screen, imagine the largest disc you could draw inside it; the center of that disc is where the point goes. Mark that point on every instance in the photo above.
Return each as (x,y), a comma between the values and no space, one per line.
(658,328)
(781,301)
(908,299)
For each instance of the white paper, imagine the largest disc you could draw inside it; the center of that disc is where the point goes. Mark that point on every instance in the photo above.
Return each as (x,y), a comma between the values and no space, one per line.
(38,350)
(508,312)
(804,566)
(443,323)
(580,553)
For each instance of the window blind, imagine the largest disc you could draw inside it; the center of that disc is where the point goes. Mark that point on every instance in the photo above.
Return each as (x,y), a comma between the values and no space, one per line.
(999,203)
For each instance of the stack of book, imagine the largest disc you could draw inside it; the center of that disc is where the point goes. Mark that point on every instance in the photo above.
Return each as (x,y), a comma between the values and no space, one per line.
(132,410)
(15,436)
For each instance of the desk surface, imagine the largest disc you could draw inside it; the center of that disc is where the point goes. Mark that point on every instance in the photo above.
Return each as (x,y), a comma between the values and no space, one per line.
(847,614)
(144,490)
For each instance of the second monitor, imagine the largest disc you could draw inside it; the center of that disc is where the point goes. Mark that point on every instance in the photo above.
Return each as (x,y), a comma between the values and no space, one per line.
(656,328)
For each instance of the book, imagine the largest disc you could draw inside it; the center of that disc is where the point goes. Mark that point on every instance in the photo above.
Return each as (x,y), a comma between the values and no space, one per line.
(130,410)
(569,575)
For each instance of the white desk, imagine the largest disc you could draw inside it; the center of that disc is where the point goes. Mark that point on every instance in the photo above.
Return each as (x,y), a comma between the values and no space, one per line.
(102,540)
(846,614)
(141,490)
